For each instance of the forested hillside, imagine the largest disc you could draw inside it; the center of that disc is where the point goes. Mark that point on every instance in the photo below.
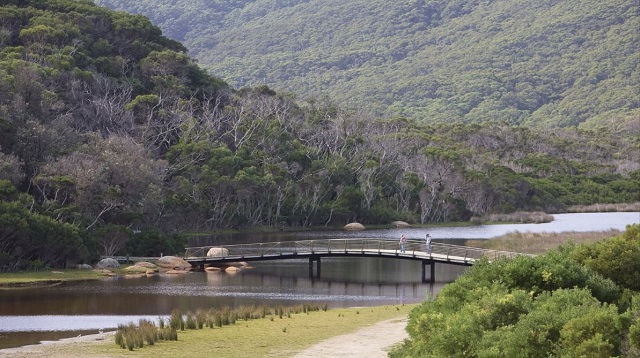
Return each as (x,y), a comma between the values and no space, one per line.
(552,62)
(112,139)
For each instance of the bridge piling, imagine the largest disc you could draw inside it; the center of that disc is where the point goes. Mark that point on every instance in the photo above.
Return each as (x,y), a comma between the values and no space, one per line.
(318,266)
(432,270)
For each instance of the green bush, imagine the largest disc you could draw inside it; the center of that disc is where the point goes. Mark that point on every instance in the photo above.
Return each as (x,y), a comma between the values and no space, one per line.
(548,305)
(617,259)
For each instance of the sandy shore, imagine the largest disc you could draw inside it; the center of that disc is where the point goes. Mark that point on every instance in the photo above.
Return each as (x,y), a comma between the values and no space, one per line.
(53,349)
(369,342)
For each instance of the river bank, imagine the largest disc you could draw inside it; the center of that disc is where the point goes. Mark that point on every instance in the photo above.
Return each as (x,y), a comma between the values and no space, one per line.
(538,243)
(30,279)
(353,332)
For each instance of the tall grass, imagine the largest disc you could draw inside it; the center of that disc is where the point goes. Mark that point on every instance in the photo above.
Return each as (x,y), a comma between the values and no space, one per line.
(131,336)
(537,243)
(602,208)
(535,217)
(176,322)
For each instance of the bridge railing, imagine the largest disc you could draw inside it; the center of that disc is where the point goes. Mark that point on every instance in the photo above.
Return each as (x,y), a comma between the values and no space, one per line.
(380,246)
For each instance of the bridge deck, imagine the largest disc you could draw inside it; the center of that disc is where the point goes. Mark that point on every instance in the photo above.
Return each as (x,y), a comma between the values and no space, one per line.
(414,250)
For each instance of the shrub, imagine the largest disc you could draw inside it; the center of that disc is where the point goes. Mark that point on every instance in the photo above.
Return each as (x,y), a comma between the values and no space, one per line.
(549,305)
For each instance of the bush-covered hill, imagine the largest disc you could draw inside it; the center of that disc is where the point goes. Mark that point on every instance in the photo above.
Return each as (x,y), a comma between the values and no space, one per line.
(549,62)
(111,138)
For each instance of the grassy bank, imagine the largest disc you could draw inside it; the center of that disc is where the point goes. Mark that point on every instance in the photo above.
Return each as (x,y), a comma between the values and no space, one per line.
(537,243)
(268,337)
(35,278)
(601,208)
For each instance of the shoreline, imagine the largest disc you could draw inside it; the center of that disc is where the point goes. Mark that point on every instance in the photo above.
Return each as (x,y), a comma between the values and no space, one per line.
(30,284)
(43,345)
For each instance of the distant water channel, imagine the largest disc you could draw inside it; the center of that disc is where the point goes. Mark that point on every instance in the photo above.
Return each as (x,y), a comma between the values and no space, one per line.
(28,316)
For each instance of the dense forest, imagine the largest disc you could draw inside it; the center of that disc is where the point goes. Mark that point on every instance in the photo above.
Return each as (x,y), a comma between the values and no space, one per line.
(551,62)
(113,140)
(571,302)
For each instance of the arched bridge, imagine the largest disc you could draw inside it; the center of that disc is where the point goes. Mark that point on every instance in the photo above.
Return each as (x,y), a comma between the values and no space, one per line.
(314,250)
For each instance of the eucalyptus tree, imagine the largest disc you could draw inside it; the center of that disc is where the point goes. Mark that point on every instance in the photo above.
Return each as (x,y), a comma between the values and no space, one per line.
(109,177)
(11,168)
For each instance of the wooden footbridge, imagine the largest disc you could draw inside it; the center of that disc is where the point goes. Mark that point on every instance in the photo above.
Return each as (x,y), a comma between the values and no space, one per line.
(314,250)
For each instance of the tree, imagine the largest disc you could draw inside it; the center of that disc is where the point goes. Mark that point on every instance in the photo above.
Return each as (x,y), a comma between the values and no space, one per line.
(11,169)
(112,238)
(111,177)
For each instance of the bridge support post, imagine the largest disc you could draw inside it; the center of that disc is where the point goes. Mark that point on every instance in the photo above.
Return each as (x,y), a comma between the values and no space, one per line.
(432,270)
(318,266)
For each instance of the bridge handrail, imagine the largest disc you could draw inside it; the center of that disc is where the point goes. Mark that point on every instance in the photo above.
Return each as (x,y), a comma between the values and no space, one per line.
(346,245)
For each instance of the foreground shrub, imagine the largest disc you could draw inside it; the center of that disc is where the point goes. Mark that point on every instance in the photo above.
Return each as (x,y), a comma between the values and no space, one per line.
(617,258)
(549,305)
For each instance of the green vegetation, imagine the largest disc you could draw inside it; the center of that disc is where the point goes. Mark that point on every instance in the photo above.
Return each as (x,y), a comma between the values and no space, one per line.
(131,336)
(114,141)
(573,301)
(26,279)
(557,63)
(271,336)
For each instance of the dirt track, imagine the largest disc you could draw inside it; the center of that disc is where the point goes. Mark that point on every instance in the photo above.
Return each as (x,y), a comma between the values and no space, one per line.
(369,342)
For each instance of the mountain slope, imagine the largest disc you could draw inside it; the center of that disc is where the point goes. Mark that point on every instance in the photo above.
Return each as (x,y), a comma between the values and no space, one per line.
(552,62)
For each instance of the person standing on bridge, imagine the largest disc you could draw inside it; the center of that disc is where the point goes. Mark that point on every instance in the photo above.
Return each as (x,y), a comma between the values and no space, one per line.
(403,243)
(428,238)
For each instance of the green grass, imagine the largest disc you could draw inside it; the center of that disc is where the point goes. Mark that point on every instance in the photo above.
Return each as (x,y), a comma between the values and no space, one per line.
(21,279)
(268,337)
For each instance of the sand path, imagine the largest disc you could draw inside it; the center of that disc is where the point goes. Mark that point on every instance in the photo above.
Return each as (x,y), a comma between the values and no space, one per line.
(369,342)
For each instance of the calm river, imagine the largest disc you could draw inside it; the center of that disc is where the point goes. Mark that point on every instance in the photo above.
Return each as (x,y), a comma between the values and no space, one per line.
(28,316)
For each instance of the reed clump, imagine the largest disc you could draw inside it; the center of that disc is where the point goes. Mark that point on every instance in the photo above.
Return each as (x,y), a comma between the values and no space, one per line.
(176,321)
(132,336)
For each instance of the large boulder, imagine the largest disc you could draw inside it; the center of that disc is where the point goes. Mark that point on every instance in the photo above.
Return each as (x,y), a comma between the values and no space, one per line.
(399,224)
(108,263)
(174,263)
(217,252)
(138,269)
(146,264)
(354,226)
